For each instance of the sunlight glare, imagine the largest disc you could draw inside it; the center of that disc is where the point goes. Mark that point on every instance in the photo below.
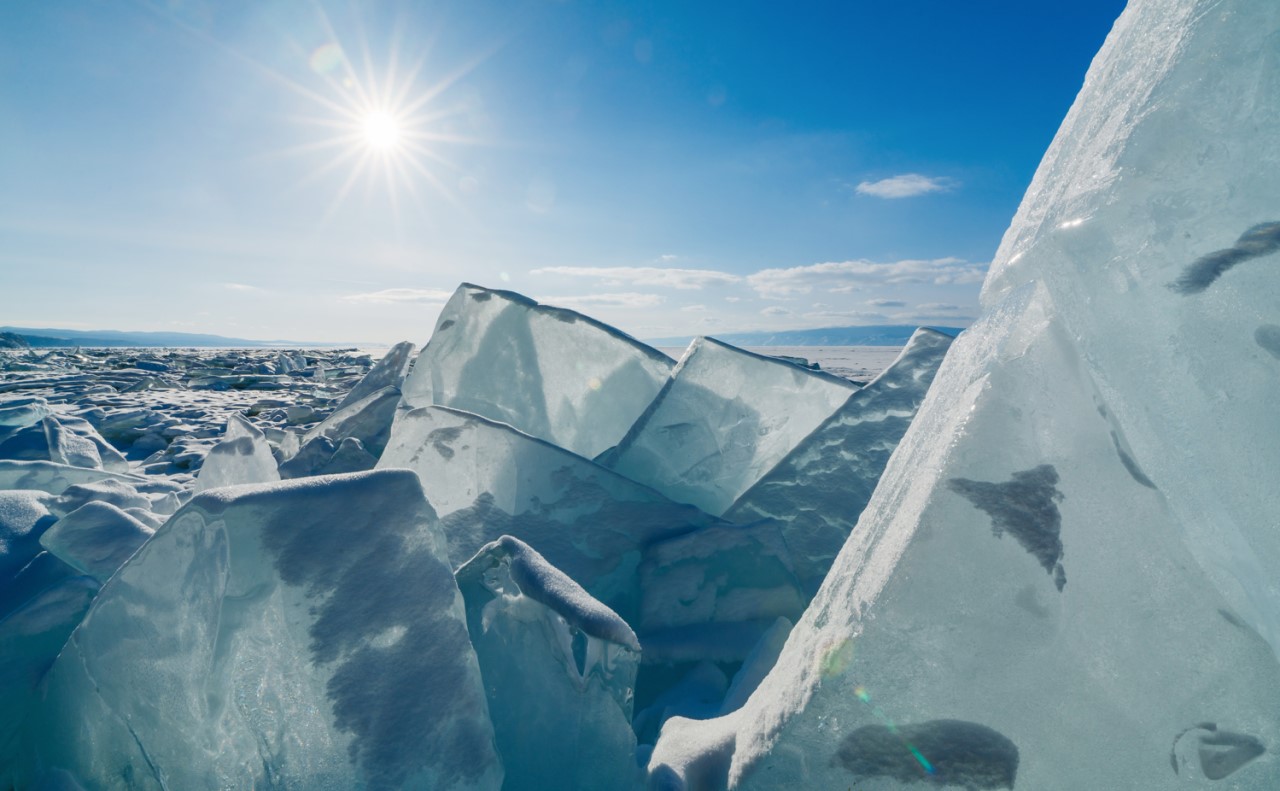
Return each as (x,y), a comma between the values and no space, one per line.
(381,130)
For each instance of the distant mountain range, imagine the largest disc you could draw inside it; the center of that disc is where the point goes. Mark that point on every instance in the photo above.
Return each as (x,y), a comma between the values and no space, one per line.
(17,337)
(875,335)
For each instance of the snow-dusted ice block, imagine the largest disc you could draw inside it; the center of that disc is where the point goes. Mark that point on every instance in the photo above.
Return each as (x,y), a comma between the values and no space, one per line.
(818,490)
(95,539)
(550,372)
(53,478)
(62,440)
(724,419)
(303,634)
(242,457)
(487,480)
(24,516)
(559,669)
(387,372)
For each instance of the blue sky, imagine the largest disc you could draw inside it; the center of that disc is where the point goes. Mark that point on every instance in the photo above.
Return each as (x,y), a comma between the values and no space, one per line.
(668,167)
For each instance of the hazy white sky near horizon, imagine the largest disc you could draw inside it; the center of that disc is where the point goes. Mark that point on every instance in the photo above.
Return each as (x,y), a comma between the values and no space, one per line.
(283,171)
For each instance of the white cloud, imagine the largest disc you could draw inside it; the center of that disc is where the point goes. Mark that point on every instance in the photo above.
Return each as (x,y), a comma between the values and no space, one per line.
(644,275)
(907,185)
(860,316)
(887,303)
(842,276)
(774,310)
(694,308)
(394,295)
(624,300)
(930,306)
(240,287)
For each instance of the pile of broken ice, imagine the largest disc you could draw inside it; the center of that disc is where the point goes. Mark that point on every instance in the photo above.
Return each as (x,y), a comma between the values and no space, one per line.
(543,555)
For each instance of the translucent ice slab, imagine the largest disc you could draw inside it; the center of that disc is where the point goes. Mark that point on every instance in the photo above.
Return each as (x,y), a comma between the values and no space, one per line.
(550,372)
(303,634)
(818,490)
(723,420)
(1066,577)
(487,480)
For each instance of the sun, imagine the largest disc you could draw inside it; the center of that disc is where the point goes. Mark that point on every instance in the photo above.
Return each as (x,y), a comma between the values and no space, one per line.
(382,131)
(378,123)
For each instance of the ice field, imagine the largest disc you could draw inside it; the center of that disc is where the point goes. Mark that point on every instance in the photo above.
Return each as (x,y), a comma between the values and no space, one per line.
(538,554)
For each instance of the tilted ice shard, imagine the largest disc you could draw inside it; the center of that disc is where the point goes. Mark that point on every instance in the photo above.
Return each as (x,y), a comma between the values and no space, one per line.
(242,457)
(304,634)
(817,492)
(387,372)
(723,420)
(559,669)
(550,372)
(487,480)
(368,420)
(1065,578)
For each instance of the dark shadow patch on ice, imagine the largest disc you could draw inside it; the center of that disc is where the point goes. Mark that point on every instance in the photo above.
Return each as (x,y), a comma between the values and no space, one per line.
(1268,337)
(446,324)
(441,437)
(1130,465)
(1026,507)
(384,611)
(1256,242)
(937,752)
(1219,753)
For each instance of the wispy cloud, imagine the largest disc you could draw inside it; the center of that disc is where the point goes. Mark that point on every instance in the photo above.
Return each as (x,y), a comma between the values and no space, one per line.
(694,308)
(934,306)
(860,316)
(240,287)
(774,310)
(907,185)
(843,276)
(644,275)
(394,295)
(887,303)
(623,300)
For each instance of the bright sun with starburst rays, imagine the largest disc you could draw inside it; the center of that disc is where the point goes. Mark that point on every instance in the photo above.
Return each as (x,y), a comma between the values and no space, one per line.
(379,126)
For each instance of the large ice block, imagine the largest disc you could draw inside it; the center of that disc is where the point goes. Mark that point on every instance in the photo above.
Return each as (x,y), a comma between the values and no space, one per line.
(487,480)
(723,420)
(1066,577)
(303,634)
(550,372)
(242,457)
(559,669)
(818,490)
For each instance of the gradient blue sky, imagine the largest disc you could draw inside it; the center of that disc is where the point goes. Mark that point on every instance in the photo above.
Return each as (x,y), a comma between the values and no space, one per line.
(668,167)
